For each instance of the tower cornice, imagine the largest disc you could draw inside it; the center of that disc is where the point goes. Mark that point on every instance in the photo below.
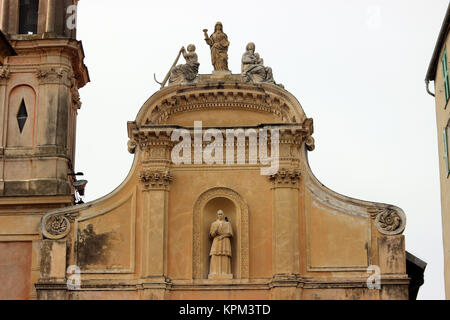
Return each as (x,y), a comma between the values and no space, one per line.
(70,47)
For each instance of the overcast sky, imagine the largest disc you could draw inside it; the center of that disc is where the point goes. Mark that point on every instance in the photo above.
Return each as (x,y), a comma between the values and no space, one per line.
(357,67)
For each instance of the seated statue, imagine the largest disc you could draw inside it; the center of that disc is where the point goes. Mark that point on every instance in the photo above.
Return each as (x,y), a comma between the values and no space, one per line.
(185,72)
(253,69)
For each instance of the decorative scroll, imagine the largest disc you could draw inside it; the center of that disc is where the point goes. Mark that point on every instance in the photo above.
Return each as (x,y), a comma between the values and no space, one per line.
(389,220)
(56,226)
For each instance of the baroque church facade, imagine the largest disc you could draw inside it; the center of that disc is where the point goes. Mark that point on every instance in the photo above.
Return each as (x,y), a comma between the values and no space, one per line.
(220,202)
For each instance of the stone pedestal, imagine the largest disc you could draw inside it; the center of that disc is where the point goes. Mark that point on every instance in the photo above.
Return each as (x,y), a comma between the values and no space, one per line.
(220,276)
(221,73)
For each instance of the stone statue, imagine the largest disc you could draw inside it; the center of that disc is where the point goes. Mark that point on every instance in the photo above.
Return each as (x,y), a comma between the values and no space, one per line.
(185,72)
(220,263)
(253,68)
(219,47)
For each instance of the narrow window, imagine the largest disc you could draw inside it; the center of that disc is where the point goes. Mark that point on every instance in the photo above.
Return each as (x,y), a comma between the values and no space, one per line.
(22,115)
(446,145)
(28,16)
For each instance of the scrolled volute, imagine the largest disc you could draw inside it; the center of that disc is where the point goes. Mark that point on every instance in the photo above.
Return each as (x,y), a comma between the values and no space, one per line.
(388,220)
(56,226)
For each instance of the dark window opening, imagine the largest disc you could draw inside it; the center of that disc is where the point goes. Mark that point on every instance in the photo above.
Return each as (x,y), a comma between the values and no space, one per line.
(22,115)
(28,16)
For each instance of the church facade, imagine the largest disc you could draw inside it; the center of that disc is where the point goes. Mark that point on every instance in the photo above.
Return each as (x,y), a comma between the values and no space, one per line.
(220,202)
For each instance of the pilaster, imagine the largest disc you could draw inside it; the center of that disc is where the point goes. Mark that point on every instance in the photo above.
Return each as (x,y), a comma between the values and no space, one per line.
(285,245)
(155,179)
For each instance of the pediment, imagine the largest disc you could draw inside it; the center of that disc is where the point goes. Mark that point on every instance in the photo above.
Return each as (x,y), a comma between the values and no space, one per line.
(222,104)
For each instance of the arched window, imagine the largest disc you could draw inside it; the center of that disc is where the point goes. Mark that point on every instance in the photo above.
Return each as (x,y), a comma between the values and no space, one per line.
(28,16)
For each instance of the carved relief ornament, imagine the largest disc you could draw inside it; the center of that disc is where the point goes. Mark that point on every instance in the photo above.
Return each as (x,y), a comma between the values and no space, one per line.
(56,226)
(53,75)
(285,178)
(155,179)
(153,142)
(4,73)
(389,220)
(228,99)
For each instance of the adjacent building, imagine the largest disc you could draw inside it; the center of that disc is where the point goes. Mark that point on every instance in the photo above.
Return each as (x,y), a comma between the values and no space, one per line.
(438,72)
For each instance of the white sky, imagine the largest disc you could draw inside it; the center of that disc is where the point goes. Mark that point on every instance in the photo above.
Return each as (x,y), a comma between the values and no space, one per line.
(357,67)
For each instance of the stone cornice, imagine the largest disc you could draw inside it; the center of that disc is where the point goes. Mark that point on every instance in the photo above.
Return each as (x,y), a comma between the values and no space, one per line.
(236,284)
(72,48)
(149,135)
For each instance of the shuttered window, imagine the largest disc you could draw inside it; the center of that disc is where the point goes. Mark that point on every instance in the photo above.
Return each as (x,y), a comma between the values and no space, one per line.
(446,145)
(445,73)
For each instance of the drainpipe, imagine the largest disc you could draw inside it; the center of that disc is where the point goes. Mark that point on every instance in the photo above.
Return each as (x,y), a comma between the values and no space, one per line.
(427,85)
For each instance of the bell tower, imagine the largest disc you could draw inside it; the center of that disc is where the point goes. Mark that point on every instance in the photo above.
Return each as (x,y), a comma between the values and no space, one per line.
(39,103)
(39,97)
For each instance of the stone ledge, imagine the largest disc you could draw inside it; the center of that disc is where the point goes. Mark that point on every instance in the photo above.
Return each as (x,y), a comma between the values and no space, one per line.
(39,187)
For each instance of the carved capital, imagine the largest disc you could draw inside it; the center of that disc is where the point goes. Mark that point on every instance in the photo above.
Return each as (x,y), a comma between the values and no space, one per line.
(4,73)
(56,226)
(388,220)
(285,178)
(155,179)
(54,76)
(76,101)
(155,145)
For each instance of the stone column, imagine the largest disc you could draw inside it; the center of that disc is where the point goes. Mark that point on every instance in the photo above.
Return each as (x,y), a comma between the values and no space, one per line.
(285,237)
(51,18)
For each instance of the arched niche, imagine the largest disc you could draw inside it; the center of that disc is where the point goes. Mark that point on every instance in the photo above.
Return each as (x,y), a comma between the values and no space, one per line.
(205,212)
(21,103)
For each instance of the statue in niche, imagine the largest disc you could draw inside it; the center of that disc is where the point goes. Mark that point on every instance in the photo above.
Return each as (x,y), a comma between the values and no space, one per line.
(219,44)
(220,254)
(185,72)
(253,69)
